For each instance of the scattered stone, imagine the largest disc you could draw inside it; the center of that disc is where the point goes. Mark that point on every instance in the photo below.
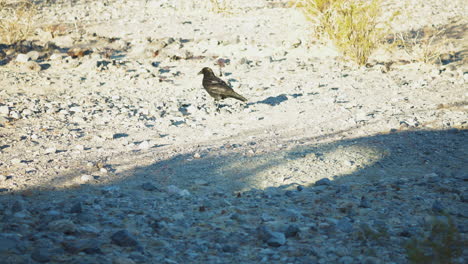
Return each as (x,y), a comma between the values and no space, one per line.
(22,58)
(201,182)
(148,186)
(172,189)
(89,246)
(26,112)
(15,161)
(63,226)
(324,181)
(346,260)
(9,244)
(144,145)
(33,55)
(76,208)
(86,178)
(4,110)
(15,115)
(273,239)
(124,239)
(41,255)
(75,109)
(32,66)
(364,203)
(79,147)
(50,150)
(437,207)
(55,56)
(292,231)
(122,260)
(344,225)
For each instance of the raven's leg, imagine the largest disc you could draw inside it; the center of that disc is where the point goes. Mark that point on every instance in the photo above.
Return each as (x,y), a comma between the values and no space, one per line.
(216,105)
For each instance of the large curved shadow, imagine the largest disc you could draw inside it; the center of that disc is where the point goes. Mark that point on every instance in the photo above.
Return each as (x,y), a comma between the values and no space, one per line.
(381,186)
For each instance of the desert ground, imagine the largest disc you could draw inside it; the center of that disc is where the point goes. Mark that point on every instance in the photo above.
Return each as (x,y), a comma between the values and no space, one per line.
(112,152)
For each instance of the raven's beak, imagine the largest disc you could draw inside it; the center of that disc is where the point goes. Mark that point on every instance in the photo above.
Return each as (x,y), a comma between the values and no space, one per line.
(201,72)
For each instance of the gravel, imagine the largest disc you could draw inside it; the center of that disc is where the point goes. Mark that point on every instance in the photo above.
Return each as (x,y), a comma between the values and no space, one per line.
(119,156)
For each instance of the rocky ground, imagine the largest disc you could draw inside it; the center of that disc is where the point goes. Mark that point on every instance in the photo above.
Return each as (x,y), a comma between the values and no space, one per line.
(112,152)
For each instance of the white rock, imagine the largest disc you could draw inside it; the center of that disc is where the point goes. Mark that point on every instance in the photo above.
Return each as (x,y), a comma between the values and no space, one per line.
(50,150)
(184,193)
(176,190)
(86,178)
(56,56)
(144,145)
(33,55)
(26,112)
(79,147)
(22,58)
(15,161)
(15,115)
(76,109)
(201,182)
(31,66)
(4,110)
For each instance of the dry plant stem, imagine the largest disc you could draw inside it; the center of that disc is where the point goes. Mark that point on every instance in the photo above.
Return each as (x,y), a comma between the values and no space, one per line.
(15,20)
(218,7)
(422,46)
(352,25)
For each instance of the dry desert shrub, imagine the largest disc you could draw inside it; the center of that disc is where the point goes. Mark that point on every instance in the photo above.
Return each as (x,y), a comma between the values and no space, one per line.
(429,45)
(15,20)
(443,244)
(220,6)
(354,26)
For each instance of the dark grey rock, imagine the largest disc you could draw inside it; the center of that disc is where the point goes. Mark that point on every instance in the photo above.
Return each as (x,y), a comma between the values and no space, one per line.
(292,231)
(41,255)
(364,202)
(273,239)
(63,226)
(124,239)
(76,208)
(437,207)
(89,246)
(148,186)
(324,181)
(230,248)
(8,245)
(17,206)
(344,225)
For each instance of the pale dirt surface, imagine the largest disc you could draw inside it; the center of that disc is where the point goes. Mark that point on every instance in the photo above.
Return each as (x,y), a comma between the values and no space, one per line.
(314,94)
(144,117)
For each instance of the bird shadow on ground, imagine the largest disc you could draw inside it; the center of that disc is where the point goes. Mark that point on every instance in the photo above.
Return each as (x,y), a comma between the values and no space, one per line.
(276,100)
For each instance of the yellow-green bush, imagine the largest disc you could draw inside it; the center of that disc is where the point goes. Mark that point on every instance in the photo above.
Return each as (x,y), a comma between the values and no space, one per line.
(220,6)
(352,25)
(441,246)
(15,20)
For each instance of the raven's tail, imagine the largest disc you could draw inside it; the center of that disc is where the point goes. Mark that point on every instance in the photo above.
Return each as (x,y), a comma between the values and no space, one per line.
(238,97)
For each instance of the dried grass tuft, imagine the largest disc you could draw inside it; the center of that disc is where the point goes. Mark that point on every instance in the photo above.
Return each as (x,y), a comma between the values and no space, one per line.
(16,20)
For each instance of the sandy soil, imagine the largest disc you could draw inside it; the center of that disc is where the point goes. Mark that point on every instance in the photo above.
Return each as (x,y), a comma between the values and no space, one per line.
(132,109)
